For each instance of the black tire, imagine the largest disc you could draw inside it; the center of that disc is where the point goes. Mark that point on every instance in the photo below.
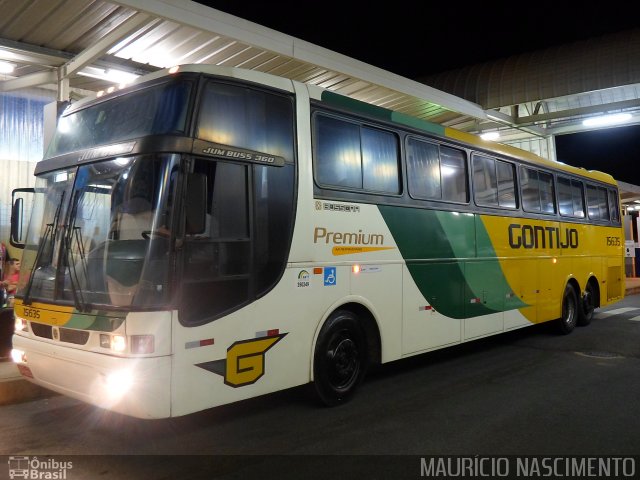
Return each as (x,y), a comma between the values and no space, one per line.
(340,358)
(570,309)
(588,304)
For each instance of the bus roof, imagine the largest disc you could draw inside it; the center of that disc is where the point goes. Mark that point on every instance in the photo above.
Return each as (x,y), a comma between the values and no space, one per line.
(393,116)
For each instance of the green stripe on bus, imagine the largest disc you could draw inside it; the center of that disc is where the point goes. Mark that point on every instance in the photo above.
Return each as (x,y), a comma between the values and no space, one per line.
(356,105)
(97,321)
(417,123)
(381,113)
(439,249)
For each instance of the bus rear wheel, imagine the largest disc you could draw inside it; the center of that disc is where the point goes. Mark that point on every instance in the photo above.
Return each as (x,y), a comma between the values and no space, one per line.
(340,358)
(587,305)
(570,308)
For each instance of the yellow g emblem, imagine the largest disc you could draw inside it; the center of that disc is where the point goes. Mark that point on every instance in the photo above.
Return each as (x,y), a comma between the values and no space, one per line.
(244,364)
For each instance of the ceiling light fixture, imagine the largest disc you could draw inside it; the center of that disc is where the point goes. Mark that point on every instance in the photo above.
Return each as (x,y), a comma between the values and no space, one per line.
(606,120)
(490,136)
(110,75)
(6,67)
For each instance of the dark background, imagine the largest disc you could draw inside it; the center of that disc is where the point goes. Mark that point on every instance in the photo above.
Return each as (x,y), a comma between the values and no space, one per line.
(415,39)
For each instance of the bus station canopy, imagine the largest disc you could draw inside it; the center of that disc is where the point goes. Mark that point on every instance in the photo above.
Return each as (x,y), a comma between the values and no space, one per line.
(79,47)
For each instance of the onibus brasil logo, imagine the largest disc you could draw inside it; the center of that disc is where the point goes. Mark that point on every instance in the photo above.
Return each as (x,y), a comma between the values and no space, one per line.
(38,468)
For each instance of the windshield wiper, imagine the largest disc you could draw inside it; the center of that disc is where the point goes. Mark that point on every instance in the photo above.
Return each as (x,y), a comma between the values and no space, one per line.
(74,232)
(50,230)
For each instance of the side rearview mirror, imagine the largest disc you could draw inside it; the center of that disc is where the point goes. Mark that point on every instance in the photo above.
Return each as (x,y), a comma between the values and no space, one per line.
(18,218)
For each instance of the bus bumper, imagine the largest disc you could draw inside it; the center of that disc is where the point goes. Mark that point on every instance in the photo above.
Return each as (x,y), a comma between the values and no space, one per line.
(138,387)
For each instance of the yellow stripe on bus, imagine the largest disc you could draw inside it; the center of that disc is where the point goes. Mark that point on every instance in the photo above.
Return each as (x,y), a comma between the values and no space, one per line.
(353,250)
(55,315)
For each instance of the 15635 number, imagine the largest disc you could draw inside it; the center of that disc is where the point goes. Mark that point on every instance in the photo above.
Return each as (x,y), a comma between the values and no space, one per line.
(32,313)
(613,242)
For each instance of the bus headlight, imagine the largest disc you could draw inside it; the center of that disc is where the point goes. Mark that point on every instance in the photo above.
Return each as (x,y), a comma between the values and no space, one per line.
(20,324)
(18,356)
(117,343)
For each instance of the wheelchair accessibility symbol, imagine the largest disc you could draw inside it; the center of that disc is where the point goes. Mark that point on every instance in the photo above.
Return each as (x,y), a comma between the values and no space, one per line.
(329,276)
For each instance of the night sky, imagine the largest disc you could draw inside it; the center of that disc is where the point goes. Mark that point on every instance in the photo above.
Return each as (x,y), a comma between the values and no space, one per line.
(612,150)
(449,35)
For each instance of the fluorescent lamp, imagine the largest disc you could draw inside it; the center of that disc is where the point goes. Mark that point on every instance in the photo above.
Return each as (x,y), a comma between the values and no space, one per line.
(490,135)
(110,75)
(607,120)
(6,67)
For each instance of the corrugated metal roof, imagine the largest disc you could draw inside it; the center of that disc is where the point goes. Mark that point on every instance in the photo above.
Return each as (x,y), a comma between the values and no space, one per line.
(556,88)
(592,65)
(44,35)
(52,42)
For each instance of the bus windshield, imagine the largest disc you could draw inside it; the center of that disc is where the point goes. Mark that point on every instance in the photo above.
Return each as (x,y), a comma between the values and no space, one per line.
(157,110)
(102,235)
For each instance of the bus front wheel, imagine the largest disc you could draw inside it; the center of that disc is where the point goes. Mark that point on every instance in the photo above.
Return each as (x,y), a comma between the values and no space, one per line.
(340,358)
(570,307)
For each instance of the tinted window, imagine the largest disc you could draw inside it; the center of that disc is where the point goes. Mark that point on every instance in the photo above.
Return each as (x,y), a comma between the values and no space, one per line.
(338,153)
(506,184)
(249,208)
(577,194)
(453,169)
(537,191)
(436,171)
(354,156)
(597,203)
(485,181)
(493,182)
(570,197)
(380,161)
(423,160)
(249,118)
(158,110)
(243,249)
(614,207)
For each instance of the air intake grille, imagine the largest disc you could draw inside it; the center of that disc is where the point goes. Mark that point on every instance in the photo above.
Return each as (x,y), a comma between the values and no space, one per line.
(79,337)
(40,330)
(68,335)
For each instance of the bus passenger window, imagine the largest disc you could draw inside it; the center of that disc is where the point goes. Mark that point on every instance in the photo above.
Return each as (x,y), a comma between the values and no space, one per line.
(493,182)
(436,172)
(380,161)
(338,159)
(423,162)
(506,184)
(453,169)
(537,191)
(547,200)
(485,182)
(570,197)
(597,203)
(614,208)
(355,156)
(564,197)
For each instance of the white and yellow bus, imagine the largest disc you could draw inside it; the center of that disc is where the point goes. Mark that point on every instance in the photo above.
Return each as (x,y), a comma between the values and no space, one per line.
(212,234)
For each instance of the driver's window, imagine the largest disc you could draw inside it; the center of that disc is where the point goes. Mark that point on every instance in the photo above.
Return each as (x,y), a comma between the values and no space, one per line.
(133,214)
(218,261)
